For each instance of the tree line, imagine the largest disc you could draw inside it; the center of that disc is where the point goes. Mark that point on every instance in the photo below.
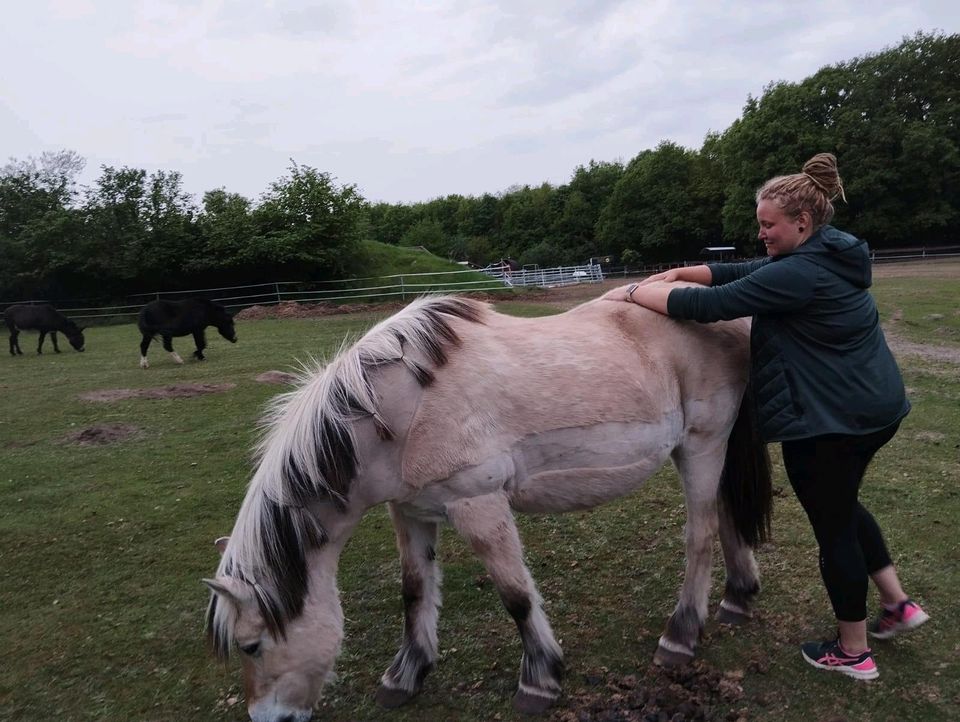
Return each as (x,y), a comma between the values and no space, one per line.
(890,117)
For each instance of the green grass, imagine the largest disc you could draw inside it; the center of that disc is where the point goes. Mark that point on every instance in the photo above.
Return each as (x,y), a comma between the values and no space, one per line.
(102,550)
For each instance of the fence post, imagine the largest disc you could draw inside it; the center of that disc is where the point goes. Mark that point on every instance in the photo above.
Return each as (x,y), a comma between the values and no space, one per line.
(276,287)
(403,290)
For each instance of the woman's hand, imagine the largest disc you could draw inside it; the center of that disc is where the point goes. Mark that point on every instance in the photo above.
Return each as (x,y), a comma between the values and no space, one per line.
(693,274)
(669,276)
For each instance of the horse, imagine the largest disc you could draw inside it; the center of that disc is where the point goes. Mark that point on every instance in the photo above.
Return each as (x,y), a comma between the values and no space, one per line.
(44,318)
(167,319)
(414,415)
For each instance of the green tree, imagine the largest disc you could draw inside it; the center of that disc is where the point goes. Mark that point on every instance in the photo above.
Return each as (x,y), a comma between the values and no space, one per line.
(225,227)
(427,233)
(306,225)
(660,204)
(889,117)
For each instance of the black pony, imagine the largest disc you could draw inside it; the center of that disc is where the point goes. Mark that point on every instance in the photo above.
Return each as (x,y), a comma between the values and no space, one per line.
(44,318)
(167,319)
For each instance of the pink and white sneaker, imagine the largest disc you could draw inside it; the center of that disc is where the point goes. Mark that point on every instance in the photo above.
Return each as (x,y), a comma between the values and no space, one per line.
(906,616)
(832,657)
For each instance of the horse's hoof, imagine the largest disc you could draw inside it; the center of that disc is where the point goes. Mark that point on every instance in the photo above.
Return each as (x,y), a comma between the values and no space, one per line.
(731,615)
(391,697)
(664,657)
(532,704)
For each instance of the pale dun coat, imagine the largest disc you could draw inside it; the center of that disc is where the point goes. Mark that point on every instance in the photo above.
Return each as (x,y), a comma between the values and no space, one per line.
(452,413)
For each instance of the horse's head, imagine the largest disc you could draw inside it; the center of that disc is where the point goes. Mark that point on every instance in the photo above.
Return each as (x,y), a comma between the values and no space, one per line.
(74,335)
(224,323)
(285,667)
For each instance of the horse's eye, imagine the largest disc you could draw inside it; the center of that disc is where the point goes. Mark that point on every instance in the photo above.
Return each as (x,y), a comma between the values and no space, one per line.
(251,650)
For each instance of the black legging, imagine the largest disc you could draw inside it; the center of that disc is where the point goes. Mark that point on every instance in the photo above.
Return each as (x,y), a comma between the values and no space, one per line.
(825,473)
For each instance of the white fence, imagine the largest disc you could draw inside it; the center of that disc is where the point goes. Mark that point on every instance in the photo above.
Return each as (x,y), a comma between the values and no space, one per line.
(547,277)
(401,287)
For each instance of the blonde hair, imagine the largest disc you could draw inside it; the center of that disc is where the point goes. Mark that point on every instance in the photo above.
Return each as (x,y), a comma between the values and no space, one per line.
(811,190)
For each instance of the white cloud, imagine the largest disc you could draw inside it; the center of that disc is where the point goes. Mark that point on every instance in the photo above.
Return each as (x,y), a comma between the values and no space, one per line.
(407,100)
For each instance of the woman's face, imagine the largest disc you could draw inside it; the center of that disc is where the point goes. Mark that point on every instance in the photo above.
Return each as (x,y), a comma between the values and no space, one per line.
(780,233)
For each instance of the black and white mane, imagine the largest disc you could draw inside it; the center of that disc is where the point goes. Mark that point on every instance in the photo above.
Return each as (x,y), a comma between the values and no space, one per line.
(308,454)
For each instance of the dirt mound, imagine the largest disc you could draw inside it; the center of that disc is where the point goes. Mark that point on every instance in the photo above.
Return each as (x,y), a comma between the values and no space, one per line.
(292,309)
(276,377)
(695,692)
(102,434)
(175,391)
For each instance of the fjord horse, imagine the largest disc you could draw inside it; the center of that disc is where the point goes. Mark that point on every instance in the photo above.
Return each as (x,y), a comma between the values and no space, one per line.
(414,415)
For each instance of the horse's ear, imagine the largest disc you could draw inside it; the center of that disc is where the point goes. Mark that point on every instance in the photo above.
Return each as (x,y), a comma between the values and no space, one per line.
(233,589)
(221,544)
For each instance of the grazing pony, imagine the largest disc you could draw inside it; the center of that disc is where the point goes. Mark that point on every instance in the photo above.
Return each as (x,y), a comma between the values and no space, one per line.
(44,318)
(167,319)
(414,414)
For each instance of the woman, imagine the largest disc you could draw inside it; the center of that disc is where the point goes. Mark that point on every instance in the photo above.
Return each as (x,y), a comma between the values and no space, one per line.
(826,384)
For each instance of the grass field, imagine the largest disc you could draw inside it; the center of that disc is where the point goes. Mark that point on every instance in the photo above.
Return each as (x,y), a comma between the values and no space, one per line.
(102,547)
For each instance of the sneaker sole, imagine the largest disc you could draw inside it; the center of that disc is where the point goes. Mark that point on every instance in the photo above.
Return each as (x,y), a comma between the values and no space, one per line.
(915,621)
(849,671)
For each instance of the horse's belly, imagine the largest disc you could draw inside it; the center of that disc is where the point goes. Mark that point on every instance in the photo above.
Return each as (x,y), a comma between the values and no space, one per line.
(569,469)
(559,470)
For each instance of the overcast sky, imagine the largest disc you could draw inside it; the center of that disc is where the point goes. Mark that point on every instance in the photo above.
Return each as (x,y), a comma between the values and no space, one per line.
(407,100)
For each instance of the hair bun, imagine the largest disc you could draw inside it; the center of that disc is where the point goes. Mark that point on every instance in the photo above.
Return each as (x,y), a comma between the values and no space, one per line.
(823,173)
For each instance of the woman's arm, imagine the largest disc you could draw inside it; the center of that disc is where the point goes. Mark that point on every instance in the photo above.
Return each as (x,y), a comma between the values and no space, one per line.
(651,295)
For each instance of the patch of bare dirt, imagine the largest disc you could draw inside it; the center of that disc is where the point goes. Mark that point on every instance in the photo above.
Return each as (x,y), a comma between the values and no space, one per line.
(175,391)
(928,352)
(948,268)
(277,377)
(693,693)
(102,434)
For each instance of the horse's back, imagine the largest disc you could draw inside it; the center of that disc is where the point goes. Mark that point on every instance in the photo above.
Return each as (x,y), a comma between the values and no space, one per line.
(32,316)
(176,318)
(605,365)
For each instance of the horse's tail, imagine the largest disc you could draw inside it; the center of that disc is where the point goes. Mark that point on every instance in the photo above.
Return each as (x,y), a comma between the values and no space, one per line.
(745,486)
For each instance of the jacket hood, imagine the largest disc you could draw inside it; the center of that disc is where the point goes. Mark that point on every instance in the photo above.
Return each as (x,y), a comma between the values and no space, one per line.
(839,252)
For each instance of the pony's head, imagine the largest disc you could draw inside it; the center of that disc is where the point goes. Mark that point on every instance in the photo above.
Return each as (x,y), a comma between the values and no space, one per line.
(222,319)
(74,335)
(285,663)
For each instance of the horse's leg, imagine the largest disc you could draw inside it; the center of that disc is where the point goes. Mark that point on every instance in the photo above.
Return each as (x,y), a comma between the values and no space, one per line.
(14,340)
(199,338)
(53,340)
(168,346)
(144,345)
(43,335)
(699,466)
(420,587)
(743,579)
(487,523)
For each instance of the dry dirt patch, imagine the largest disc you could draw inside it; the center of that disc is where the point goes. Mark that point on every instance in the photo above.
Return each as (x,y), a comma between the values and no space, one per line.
(692,692)
(277,377)
(102,434)
(175,391)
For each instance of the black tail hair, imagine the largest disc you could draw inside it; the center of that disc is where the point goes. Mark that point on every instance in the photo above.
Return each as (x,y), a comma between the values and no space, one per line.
(745,486)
